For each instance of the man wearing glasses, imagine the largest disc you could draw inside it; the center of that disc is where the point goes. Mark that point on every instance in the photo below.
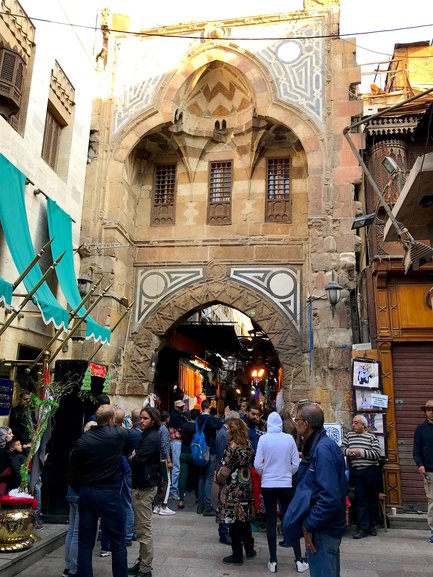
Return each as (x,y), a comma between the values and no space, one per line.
(318,509)
(423,457)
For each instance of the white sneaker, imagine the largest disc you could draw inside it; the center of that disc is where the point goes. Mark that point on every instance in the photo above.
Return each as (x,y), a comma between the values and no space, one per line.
(272,566)
(166,511)
(157,509)
(301,566)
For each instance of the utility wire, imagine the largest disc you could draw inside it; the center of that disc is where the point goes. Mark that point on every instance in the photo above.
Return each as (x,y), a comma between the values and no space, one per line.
(161,35)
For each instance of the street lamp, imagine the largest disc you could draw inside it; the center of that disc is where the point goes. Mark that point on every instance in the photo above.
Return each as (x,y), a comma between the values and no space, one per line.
(333,290)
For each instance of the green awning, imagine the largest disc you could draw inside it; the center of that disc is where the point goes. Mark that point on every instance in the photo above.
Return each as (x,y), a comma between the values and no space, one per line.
(60,229)
(13,219)
(6,290)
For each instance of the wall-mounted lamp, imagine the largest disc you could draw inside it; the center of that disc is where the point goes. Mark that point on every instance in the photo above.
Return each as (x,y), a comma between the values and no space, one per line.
(363,220)
(333,290)
(390,165)
(84,285)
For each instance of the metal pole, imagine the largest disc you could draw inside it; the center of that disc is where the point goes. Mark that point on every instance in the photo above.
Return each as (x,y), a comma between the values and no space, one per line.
(77,324)
(72,315)
(32,264)
(31,293)
(116,324)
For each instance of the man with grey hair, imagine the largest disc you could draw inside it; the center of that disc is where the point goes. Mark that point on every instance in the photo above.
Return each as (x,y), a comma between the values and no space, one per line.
(362,450)
(318,508)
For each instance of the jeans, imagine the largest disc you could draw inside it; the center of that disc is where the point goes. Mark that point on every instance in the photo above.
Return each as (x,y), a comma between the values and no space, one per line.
(271,497)
(175,472)
(125,499)
(71,542)
(95,503)
(205,480)
(142,500)
(366,488)
(326,562)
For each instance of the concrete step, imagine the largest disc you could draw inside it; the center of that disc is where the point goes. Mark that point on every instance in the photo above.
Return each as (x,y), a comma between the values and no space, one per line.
(408,521)
(51,537)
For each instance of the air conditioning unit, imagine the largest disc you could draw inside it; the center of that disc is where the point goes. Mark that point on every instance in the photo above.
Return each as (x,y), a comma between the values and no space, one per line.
(370,109)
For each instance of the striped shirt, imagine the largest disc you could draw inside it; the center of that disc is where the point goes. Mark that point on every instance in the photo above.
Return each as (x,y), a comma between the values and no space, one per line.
(370,449)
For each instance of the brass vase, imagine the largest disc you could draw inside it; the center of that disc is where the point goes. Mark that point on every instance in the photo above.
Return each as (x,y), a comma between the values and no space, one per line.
(16,528)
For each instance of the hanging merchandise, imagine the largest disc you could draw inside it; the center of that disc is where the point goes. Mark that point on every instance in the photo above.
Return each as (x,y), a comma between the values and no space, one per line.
(87,381)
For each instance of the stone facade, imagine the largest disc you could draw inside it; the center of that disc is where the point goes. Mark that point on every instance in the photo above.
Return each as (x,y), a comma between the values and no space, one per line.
(223,94)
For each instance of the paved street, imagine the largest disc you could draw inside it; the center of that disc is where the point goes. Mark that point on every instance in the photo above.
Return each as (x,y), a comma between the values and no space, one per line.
(186,544)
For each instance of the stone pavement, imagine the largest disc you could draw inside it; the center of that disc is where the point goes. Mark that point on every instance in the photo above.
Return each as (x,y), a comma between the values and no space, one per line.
(186,545)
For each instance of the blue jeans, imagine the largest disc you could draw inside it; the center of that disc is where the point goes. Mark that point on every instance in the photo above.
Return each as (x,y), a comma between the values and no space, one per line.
(205,480)
(326,562)
(71,543)
(125,499)
(175,472)
(95,503)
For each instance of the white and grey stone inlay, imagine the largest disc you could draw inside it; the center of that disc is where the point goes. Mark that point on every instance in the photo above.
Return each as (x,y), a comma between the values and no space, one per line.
(153,285)
(280,284)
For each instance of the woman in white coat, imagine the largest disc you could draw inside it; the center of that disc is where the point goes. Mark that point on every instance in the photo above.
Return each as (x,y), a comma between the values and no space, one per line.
(277,460)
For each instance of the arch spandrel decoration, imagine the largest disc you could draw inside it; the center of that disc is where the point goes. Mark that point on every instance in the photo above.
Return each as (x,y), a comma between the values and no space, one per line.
(299,81)
(216,286)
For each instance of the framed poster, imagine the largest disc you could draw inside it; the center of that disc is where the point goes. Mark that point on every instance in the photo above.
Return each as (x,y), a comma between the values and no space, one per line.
(335,431)
(376,422)
(365,374)
(363,401)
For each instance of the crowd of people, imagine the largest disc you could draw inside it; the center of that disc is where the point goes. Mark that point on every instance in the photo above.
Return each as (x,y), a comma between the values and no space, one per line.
(282,469)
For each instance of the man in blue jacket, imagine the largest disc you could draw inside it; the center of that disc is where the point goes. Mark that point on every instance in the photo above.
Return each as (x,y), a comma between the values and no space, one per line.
(318,509)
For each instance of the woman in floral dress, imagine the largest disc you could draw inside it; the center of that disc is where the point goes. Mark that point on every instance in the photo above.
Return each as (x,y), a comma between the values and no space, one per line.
(235,497)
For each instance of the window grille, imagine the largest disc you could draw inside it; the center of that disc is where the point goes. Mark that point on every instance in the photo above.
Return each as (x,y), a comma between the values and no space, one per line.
(220,182)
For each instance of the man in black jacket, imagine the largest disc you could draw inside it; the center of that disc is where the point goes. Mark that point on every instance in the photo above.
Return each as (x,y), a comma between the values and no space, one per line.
(423,457)
(94,473)
(145,478)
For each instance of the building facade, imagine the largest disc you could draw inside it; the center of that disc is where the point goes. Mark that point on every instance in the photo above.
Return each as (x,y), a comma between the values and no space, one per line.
(395,286)
(47,75)
(220,175)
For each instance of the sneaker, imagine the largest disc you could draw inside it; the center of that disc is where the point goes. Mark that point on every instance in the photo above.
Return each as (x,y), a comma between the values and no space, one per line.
(166,511)
(200,509)
(39,525)
(156,509)
(251,554)
(225,540)
(430,540)
(301,566)
(360,535)
(104,553)
(209,512)
(65,573)
(273,566)
(283,544)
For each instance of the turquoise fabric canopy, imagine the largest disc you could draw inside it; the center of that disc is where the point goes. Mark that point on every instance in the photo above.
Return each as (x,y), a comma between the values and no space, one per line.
(13,219)
(6,290)
(60,229)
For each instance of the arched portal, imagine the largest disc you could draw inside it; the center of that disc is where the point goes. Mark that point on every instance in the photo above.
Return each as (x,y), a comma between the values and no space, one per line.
(216,285)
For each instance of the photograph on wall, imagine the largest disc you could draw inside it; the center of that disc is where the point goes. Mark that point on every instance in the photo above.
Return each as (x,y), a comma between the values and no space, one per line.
(364,401)
(375,422)
(365,374)
(335,431)
(383,445)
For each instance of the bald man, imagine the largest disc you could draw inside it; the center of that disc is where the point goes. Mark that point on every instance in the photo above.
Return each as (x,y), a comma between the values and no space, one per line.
(94,473)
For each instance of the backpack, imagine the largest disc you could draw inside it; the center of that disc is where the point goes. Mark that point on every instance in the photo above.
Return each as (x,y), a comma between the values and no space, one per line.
(199,448)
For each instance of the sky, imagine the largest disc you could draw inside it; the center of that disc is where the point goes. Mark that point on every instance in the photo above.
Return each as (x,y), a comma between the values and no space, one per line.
(357,16)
